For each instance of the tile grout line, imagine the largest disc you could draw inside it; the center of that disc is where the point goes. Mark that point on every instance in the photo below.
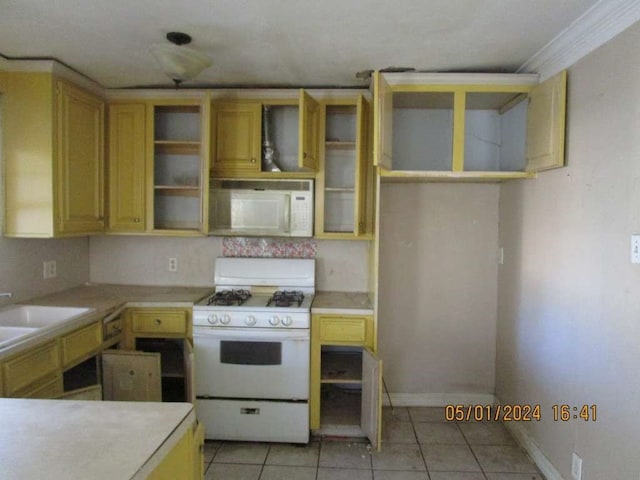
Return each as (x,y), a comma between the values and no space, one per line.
(484,474)
(415,434)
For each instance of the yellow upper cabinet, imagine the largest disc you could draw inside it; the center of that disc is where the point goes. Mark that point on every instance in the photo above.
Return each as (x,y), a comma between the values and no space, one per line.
(126,167)
(158,166)
(344,184)
(237,146)
(241,127)
(468,126)
(53,156)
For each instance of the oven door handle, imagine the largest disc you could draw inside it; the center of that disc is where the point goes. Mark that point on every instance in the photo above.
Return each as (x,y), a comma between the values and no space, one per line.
(249,335)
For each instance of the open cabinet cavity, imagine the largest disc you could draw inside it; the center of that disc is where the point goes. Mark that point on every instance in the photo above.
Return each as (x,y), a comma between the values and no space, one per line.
(350,381)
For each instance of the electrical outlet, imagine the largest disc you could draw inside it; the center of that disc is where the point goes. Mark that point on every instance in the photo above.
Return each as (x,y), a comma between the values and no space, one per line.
(49,269)
(173,264)
(576,467)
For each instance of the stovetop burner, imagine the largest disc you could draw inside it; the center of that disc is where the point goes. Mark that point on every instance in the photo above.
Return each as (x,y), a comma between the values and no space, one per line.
(286,298)
(229,297)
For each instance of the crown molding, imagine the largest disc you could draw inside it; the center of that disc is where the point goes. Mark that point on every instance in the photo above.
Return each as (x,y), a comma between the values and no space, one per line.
(603,21)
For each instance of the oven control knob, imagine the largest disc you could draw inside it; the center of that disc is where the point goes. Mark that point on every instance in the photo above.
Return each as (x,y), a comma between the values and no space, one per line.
(286,321)
(226,319)
(250,320)
(212,319)
(275,320)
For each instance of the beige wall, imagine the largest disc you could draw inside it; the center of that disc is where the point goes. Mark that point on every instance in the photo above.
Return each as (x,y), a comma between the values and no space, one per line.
(341,265)
(438,288)
(568,322)
(21,266)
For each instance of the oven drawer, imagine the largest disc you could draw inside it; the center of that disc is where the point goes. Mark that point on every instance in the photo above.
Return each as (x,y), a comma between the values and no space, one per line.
(254,420)
(160,321)
(347,329)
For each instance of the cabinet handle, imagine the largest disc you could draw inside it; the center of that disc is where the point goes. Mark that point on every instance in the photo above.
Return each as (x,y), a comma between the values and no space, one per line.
(158,321)
(136,219)
(304,154)
(253,160)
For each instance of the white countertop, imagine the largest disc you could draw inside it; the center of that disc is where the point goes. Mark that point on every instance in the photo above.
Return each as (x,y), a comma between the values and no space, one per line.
(82,440)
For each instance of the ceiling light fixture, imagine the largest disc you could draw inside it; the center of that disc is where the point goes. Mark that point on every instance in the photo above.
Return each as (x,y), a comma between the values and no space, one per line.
(179,63)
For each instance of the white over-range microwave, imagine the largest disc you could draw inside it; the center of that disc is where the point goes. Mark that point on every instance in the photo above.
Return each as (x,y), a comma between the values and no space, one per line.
(266,208)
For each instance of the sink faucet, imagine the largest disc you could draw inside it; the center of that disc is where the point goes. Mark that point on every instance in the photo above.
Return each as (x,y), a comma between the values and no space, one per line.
(6,294)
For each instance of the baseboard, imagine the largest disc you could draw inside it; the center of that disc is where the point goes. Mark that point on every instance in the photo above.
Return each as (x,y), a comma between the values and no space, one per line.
(524,439)
(437,399)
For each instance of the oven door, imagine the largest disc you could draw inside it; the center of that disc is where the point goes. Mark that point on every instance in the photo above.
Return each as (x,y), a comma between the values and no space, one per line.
(269,364)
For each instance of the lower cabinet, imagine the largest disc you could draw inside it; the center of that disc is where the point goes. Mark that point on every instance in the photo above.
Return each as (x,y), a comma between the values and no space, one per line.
(346,377)
(185,461)
(156,363)
(27,373)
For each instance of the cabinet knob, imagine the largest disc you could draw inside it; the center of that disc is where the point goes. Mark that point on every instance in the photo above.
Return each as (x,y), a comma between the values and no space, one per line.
(304,154)
(158,321)
(136,219)
(253,160)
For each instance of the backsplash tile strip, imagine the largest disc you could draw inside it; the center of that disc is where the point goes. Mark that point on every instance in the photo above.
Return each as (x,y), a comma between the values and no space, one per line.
(269,247)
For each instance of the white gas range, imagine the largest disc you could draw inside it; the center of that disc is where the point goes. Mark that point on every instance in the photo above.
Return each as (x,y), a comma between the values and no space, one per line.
(251,342)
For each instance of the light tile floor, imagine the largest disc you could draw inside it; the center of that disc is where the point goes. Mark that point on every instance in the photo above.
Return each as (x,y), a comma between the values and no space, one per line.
(418,444)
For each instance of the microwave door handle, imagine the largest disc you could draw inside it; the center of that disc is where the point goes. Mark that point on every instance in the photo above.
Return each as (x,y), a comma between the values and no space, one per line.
(287,213)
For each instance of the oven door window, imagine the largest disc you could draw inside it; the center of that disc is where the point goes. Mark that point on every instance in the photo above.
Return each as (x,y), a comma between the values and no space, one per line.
(250,353)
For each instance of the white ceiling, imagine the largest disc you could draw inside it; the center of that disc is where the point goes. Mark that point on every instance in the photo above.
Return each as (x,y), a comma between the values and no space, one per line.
(283,42)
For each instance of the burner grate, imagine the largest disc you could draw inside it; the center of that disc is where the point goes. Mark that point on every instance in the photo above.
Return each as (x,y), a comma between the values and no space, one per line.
(286,298)
(229,297)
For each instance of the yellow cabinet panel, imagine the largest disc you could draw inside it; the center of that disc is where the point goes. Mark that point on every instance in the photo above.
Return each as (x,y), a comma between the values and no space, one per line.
(50,387)
(308,132)
(160,322)
(29,367)
(546,124)
(237,138)
(81,344)
(353,330)
(198,451)
(127,167)
(80,124)
(53,156)
(177,464)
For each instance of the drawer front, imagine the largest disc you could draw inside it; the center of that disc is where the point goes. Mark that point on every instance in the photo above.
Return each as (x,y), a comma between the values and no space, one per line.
(50,388)
(160,322)
(343,330)
(81,343)
(25,369)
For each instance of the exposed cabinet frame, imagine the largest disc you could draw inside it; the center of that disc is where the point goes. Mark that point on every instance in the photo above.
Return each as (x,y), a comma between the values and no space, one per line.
(544,130)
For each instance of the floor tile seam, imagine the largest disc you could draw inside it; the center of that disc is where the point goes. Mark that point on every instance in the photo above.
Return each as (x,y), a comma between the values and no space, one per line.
(484,474)
(415,434)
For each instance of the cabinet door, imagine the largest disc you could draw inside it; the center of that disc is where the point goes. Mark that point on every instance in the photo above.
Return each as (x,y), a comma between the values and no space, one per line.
(361,177)
(80,126)
(546,124)
(131,376)
(371,413)
(198,451)
(308,132)
(27,368)
(177,464)
(237,138)
(383,126)
(127,167)
(81,344)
